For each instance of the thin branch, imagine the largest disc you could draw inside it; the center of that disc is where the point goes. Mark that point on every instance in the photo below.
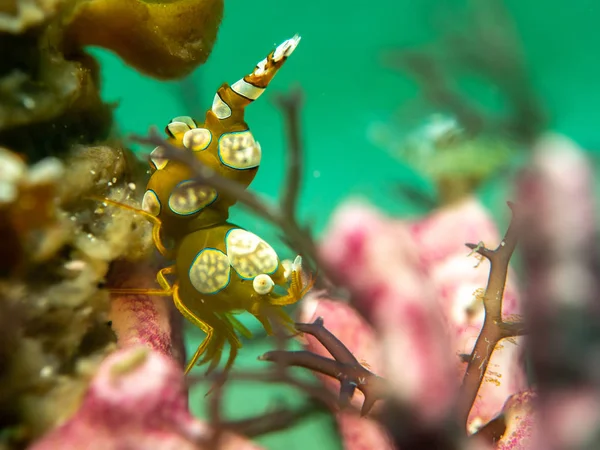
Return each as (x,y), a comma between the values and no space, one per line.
(271,421)
(489,46)
(437,89)
(206,175)
(215,404)
(494,329)
(291,105)
(313,390)
(340,353)
(513,329)
(278,420)
(492,431)
(344,367)
(334,346)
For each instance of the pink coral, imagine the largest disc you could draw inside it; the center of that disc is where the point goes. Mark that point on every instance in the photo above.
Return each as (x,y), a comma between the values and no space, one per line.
(559,242)
(414,283)
(350,328)
(138,398)
(378,260)
(142,319)
(519,416)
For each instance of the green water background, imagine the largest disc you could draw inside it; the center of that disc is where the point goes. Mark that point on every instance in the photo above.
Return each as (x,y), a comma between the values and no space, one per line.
(347,89)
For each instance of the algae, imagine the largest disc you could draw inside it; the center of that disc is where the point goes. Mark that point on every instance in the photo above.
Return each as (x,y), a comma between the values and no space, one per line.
(164,39)
(54,313)
(48,80)
(58,151)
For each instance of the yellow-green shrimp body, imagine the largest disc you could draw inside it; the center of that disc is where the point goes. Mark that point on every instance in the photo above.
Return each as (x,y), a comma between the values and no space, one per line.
(219,268)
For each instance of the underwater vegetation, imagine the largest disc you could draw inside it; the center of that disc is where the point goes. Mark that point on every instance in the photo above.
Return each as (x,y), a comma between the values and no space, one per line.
(422,333)
(58,248)
(441,151)
(49,80)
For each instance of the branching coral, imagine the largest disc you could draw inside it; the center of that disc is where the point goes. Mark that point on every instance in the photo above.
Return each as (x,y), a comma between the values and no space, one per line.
(554,227)
(344,366)
(414,320)
(555,220)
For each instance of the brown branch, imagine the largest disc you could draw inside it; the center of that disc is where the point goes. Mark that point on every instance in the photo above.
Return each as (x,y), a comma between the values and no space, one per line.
(344,367)
(215,406)
(405,428)
(494,328)
(277,420)
(513,329)
(437,89)
(489,47)
(332,344)
(271,421)
(491,432)
(290,105)
(311,389)
(206,175)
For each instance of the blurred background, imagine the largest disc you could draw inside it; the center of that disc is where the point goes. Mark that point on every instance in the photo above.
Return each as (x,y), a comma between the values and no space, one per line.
(362,107)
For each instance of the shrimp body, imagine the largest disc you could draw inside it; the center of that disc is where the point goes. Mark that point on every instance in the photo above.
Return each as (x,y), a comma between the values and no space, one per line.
(219,269)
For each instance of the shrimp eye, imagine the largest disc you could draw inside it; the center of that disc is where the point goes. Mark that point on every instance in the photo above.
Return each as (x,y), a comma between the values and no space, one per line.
(263,284)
